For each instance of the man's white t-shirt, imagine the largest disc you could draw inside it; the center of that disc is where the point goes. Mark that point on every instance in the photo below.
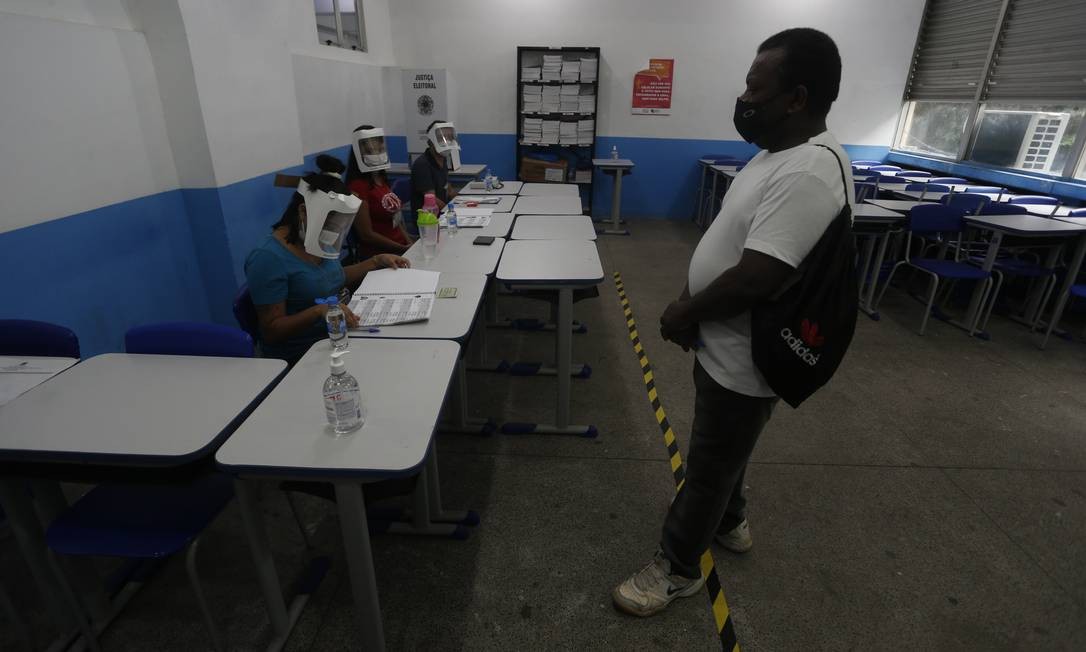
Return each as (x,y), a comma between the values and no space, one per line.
(779,205)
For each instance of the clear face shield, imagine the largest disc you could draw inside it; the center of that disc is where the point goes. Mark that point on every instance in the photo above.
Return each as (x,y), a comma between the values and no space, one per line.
(370,151)
(329,216)
(443,137)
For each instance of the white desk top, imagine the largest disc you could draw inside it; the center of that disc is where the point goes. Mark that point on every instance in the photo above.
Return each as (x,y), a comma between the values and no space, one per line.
(728,170)
(1026,224)
(1072,220)
(471,170)
(451,319)
(504,205)
(479,188)
(551,262)
(612,162)
(1046,210)
(457,254)
(554,227)
(20,374)
(550,190)
(938,196)
(403,385)
(500,226)
(145,410)
(548,206)
(872,210)
(902,205)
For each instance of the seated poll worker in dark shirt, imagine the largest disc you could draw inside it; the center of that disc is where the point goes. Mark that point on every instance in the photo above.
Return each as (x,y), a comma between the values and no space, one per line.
(430,171)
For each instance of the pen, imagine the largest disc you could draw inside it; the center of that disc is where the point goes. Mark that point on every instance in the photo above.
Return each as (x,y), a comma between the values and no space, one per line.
(373,330)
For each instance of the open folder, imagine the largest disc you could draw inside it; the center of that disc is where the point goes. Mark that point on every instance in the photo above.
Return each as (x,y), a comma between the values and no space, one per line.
(395,296)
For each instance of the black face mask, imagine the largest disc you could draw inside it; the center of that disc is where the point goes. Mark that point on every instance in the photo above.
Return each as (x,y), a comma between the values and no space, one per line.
(751,121)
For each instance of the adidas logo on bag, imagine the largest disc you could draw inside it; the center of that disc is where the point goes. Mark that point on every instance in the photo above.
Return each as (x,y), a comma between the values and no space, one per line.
(808,335)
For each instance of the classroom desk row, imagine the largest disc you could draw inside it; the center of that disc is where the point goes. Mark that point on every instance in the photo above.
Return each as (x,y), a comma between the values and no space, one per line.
(259,422)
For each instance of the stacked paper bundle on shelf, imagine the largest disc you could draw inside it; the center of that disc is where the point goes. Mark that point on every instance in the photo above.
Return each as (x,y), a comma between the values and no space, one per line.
(530,73)
(533,130)
(533,98)
(568,133)
(552,67)
(550,132)
(571,71)
(583,176)
(584,131)
(586,101)
(551,99)
(568,97)
(589,69)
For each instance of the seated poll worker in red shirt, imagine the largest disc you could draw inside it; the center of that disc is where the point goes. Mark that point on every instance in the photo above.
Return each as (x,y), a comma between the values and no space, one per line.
(377,228)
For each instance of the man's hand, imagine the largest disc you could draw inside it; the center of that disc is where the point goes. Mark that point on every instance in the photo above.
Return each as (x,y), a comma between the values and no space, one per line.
(676,325)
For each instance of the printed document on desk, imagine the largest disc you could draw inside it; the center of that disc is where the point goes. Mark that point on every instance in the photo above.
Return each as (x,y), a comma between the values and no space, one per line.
(395,296)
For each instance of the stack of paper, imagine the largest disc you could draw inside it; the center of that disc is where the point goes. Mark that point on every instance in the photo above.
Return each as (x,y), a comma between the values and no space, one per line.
(583,176)
(586,101)
(473,217)
(571,71)
(552,67)
(550,132)
(569,98)
(395,296)
(568,133)
(589,68)
(533,130)
(533,98)
(551,99)
(584,131)
(530,73)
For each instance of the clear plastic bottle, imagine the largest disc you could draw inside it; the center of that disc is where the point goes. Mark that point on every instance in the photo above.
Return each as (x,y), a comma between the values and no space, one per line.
(342,398)
(489,181)
(451,220)
(614,152)
(336,322)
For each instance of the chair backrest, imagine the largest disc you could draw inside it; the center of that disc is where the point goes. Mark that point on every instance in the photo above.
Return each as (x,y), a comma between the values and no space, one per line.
(992,189)
(968,202)
(928,187)
(37,338)
(245,313)
(727,160)
(189,338)
(947,180)
(892,181)
(1002,208)
(885,168)
(1035,199)
(402,188)
(935,218)
(864,161)
(1078,212)
(865,190)
(912,173)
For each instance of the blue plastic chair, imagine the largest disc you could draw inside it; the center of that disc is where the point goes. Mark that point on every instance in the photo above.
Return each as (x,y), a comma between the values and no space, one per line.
(153,521)
(864,161)
(925,188)
(1034,199)
(245,313)
(865,191)
(970,203)
(402,188)
(942,223)
(37,338)
(1002,208)
(885,168)
(893,181)
(189,338)
(987,189)
(951,180)
(912,173)
(1078,212)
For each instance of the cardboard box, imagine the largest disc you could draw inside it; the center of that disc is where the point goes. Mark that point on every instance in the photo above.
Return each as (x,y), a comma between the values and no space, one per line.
(535,170)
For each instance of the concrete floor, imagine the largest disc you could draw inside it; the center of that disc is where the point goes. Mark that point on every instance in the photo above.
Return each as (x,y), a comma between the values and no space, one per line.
(932,497)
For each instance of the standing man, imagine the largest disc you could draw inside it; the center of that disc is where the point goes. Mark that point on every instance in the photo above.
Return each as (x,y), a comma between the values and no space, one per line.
(429,172)
(774,213)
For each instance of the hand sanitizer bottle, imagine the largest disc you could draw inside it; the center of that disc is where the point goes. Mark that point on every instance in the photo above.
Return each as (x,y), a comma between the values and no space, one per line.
(614,152)
(342,399)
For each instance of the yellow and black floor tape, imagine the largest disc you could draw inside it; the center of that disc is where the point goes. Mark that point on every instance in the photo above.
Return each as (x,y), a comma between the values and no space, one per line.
(724,626)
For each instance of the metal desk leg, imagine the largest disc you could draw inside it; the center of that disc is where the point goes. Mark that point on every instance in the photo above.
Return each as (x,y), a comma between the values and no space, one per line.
(282,619)
(981,291)
(458,406)
(700,203)
(478,336)
(616,206)
(1065,289)
(876,270)
(428,516)
(712,197)
(30,536)
(356,548)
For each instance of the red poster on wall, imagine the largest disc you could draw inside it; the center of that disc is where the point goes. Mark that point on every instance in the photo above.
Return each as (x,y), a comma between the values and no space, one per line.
(652,88)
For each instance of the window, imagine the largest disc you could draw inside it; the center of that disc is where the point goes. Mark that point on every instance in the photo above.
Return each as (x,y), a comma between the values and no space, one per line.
(999,82)
(1027,137)
(933,128)
(340,23)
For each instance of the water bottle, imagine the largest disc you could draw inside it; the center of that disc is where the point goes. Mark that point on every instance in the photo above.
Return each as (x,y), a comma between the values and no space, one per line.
(342,399)
(428,226)
(488,180)
(336,322)
(614,152)
(451,220)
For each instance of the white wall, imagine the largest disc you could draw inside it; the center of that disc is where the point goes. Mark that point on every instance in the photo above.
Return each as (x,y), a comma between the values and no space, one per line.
(712,42)
(81,122)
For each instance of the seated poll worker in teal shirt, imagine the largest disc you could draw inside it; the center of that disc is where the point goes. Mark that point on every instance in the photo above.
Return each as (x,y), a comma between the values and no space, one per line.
(299,262)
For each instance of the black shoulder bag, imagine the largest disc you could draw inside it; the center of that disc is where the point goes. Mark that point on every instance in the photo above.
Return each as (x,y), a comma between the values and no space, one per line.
(799,337)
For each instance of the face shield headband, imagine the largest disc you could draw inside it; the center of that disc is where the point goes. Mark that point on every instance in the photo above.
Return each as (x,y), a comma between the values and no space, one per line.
(329,216)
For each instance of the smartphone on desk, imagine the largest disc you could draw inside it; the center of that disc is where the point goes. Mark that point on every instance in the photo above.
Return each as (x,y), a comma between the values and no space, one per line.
(483,240)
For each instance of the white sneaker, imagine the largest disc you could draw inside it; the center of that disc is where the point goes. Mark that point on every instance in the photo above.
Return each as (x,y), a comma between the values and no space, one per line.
(651,589)
(738,540)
